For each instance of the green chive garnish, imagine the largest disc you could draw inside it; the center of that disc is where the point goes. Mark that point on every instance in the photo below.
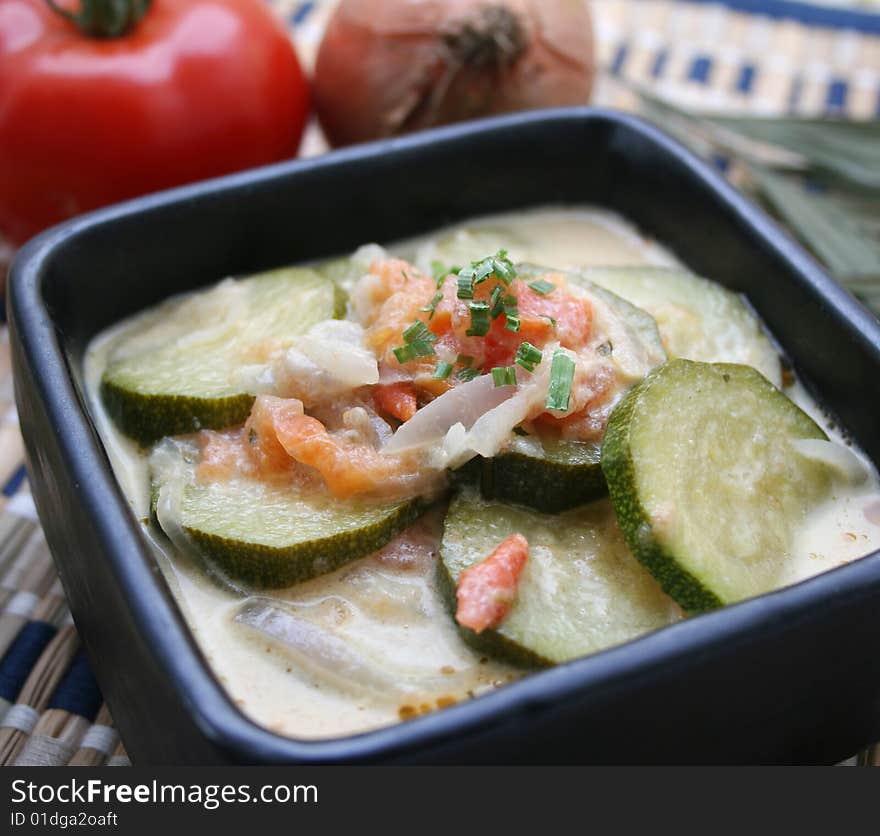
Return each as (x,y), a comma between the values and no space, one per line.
(498,265)
(439,272)
(561,378)
(431,307)
(504,268)
(496,301)
(543,287)
(504,375)
(527,356)
(479,319)
(417,343)
(511,312)
(464,360)
(465,286)
(443,370)
(404,354)
(418,332)
(410,351)
(468,374)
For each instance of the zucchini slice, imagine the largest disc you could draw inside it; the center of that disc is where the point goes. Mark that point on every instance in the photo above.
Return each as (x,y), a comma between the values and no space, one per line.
(705,482)
(698,319)
(266,535)
(581,590)
(177,373)
(549,475)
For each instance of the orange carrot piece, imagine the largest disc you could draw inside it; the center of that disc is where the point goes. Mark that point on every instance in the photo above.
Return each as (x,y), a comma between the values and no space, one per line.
(397,400)
(487,590)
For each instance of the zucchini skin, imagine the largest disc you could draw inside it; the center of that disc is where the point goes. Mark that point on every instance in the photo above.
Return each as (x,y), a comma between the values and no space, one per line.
(619,470)
(547,485)
(266,567)
(147,418)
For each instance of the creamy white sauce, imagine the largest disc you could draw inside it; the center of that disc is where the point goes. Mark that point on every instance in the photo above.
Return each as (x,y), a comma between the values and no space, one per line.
(386,607)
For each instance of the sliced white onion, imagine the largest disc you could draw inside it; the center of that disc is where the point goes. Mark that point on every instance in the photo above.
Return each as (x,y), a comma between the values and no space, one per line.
(336,346)
(494,428)
(463,405)
(334,659)
(171,472)
(840,459)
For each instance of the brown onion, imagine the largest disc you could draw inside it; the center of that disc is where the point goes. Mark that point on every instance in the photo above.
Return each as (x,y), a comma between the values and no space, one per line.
(387,67)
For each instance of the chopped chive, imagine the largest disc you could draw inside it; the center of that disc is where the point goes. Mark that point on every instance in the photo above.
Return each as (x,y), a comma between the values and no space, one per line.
(417,332)
(543,287)
(498,265)
(423,348)
(439,271)
(468,374)
(479,319)
(465,360)
(496,300)
(527,356)
(443,370)
(504,268)
(465,286)
(561,378)
(511,312)
(412,350)
(483,271)
(404,353)
(504,376)
(431,307)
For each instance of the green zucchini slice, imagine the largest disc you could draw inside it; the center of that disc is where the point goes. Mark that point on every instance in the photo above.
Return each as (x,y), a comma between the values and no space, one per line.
(177,373)
(581,590)
(547,475)
(705,483)
(266,535)
(698,319)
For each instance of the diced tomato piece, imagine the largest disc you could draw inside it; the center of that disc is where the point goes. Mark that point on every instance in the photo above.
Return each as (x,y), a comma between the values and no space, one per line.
(268,416)
(486,592)
(396,399)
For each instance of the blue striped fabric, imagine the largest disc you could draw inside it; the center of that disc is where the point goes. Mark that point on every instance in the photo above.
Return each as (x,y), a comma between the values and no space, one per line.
(15,481)
(22,655)
(78,691)
(770,58)
(827,17)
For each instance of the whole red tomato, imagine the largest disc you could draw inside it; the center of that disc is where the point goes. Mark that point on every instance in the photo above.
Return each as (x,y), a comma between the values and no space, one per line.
(193,89)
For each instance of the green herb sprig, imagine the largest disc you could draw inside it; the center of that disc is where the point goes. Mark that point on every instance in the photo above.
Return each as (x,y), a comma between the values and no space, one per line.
(418,342)
(561,379)
(504,376)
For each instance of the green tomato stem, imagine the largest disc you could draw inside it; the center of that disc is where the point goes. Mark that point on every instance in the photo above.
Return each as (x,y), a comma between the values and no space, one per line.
(104,18)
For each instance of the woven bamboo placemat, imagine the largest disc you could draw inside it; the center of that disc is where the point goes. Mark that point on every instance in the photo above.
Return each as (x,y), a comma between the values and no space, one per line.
(768,57)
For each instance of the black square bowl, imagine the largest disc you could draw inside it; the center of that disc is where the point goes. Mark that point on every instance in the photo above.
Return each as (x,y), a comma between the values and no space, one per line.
(792,676)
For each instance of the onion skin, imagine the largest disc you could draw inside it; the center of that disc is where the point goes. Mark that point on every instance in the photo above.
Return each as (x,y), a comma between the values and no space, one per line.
(387,67)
